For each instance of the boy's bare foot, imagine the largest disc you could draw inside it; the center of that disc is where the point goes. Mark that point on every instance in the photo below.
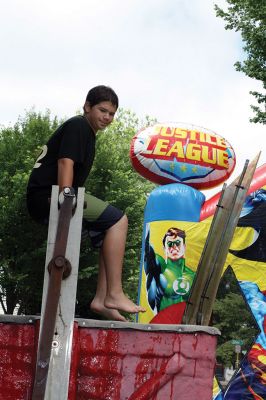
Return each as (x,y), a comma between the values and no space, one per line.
(122,303)
(110,314)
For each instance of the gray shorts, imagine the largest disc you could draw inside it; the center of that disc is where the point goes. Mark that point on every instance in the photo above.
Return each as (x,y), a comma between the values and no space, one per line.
(98,217)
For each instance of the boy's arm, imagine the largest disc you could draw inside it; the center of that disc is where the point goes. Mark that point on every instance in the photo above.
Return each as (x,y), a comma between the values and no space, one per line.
(65,173)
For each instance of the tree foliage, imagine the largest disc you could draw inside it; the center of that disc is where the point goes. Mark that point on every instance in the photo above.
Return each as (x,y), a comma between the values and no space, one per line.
(249,18)
(23,242)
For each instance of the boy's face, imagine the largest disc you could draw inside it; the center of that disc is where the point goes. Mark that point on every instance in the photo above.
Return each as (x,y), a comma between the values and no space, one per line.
(101,115)
(174,247)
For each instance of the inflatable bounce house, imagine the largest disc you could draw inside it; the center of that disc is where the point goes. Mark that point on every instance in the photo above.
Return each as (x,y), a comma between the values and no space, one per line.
(159,357)
(184,159)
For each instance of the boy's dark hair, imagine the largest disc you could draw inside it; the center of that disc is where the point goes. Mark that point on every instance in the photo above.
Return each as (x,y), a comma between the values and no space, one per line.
(102,93)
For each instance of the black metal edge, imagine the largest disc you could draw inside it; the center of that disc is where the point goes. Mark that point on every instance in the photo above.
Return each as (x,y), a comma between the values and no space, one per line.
(93,323)
(90,323)
(18,319)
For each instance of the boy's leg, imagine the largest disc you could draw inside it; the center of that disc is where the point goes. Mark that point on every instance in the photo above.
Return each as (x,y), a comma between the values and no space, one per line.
(113,249)
(107,227)
(97,304)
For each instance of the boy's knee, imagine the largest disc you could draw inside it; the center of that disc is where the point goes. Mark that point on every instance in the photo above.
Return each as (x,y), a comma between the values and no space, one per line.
(124,219)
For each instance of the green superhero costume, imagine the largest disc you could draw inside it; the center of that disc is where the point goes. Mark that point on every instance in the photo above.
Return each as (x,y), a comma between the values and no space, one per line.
(175,280)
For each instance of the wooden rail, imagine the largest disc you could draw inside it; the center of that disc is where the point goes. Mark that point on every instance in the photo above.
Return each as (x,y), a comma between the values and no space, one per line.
(204,289)
(56,321)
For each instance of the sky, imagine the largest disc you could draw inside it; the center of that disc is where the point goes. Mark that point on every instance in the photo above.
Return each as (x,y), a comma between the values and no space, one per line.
(170,59)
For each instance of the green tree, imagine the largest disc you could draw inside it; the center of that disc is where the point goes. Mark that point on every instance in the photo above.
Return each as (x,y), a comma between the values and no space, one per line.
(249,18)
(23,242)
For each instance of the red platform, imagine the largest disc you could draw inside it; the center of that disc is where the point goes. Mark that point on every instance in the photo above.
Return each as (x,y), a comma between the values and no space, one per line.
(115,361)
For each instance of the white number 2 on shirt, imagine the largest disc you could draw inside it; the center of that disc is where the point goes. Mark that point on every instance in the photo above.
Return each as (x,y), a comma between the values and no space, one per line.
(43,154)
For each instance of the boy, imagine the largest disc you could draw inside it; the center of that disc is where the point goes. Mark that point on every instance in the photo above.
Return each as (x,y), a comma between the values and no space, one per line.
(66,160)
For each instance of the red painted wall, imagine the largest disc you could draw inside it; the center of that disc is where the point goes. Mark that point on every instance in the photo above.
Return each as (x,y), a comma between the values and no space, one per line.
(17,360)
(138,365)
(115,364)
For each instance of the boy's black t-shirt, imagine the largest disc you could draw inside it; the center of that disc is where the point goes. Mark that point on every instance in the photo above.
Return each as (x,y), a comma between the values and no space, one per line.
(74,139)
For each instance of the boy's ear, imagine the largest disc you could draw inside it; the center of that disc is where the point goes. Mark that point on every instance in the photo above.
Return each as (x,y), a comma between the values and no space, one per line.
(87,106)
